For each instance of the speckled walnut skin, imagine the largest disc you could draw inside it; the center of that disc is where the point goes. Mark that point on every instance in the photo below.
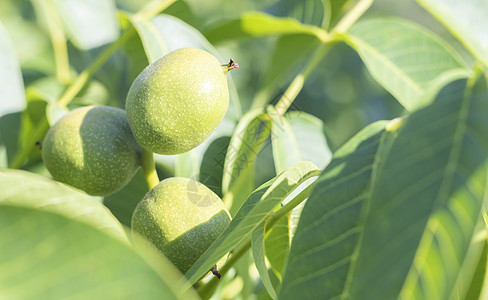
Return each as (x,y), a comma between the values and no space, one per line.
(181,217)
(92,148)
(177,101)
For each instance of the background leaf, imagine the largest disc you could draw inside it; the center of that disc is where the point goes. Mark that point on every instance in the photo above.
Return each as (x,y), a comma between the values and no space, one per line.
(46,255)
(89,23)
(248,139)
(291,140)
(466,20)
(12,97)
(405,58)
(255,24)
(259,255)
(262,201)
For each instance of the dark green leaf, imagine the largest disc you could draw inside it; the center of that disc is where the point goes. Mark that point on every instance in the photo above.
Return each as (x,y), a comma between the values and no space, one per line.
(336,199)
(123,203)
(405,231)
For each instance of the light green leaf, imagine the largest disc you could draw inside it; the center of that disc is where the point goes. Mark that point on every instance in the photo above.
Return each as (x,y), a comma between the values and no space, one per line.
(406,59)
(247,140)
(89,23)
(329,220)
(259,255)
(259,204)
(466,20)
(46,255)
(291,140)
(12,97)
(21,188)
(277,245)
(256,24)
(187,165)
(402,225)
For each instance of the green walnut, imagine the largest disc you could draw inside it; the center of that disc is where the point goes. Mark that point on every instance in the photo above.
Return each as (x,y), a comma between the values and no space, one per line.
(92,148)
(178,101)
(181,217)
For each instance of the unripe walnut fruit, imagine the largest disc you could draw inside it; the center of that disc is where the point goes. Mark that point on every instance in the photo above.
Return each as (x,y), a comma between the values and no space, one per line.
(92,148)
(177,101)
(181,217)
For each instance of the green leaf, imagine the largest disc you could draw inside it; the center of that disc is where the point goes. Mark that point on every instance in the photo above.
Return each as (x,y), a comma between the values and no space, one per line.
(477,289)
(289,51)
(328,220)
(123,203)
(277,245)
(49,256)
(306,11)
(89,23)
(212,167)
(466,20)
(247,140)
(258,252)
(334,10)
(21,188)
(256,24)
(9,137)
(11,84)
(291,136)
(406,59)
(413,218)
(259,204)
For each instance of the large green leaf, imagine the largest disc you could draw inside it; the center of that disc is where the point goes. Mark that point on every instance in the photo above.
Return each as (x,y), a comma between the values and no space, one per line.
(89,23)
(466,20)
(46,255)
(405,59)
(21,188)
(336,198)
(255,24)
(12,97)
(254,211)
(400,224)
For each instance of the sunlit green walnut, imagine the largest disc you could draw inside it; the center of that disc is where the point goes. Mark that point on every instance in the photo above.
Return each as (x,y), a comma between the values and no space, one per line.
(92,148)
(178,101)
(181,217)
